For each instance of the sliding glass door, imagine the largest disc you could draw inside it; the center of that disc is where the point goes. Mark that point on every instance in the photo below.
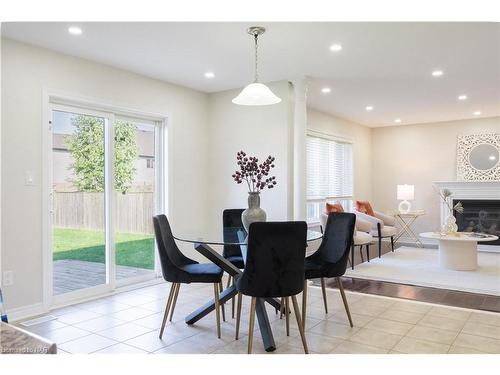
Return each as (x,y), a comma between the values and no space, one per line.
(103,194)
(135,198)
(78,200)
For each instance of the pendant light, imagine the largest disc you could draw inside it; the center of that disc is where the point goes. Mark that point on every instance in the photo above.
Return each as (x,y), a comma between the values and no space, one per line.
(256,93)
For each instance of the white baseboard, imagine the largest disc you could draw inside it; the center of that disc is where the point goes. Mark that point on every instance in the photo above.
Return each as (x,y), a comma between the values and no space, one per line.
(24,312)
(29,311)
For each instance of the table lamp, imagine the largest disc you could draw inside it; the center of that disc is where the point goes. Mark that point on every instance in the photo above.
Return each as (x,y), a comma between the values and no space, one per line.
(405,193)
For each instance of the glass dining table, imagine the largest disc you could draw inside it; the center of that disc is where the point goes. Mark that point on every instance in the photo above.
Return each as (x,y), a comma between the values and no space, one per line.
(234,237)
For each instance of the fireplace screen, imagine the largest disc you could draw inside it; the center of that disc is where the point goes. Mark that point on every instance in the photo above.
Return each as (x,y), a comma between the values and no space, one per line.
(480,216)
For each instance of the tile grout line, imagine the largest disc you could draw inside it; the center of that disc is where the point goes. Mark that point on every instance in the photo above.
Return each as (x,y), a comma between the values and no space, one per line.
(402,337)
(314,323)
(458,334)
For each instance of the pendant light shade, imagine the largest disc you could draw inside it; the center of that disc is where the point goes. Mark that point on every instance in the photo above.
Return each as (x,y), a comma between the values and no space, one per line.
(256,93)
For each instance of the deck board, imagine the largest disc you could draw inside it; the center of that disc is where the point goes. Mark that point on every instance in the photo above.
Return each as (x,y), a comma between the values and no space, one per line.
(71,275)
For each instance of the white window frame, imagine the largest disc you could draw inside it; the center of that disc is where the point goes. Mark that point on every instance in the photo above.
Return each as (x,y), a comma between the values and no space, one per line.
(57,100)
(330,199)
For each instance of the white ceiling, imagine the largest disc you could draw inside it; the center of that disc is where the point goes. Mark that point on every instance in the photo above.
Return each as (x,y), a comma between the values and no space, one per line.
(386,65)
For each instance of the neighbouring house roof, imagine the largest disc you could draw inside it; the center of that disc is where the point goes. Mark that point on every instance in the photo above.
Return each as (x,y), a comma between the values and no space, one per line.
(145,143)
(59,141)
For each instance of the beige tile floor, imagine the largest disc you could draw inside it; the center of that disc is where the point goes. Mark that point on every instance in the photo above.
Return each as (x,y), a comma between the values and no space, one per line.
(128,322)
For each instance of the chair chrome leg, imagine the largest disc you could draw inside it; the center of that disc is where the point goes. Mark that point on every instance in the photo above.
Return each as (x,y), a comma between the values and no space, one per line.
(217,307)
(174,301)
(304,304)
(251,324)
(323,290)
(368,252)
(300,324)
(352,255)
(228,281)
(238,317)
(221,288)
(392,243)
(282,307)
(344,299)
(361,254)
(167,308)
(287,316)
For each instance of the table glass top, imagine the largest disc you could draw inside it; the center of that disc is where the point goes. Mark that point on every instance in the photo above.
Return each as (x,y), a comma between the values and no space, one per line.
(231,236)
(413,213)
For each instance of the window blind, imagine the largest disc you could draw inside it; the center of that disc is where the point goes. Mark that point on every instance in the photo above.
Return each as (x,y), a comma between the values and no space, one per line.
(329,169)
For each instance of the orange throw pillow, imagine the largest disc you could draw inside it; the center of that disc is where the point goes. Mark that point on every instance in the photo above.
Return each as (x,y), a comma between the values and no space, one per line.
(365,207)
(337,207)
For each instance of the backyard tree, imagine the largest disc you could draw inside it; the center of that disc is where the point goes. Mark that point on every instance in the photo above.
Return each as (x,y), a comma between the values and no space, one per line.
(87,150)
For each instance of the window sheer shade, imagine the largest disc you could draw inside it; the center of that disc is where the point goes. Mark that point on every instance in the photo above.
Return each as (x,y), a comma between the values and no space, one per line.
(329,169)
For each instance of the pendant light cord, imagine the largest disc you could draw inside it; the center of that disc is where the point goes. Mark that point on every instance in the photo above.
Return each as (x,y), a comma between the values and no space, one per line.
(256,36)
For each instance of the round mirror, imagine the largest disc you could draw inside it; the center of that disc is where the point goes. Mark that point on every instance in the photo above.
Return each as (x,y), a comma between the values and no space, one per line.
(484,156)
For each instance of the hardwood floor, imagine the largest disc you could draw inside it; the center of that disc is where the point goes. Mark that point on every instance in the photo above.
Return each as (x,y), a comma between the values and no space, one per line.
(417,293)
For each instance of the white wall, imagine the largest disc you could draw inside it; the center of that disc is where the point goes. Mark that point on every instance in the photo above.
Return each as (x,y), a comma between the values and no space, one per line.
(207,131)
(419,155)
(259,131)
(360,135)
(26,71)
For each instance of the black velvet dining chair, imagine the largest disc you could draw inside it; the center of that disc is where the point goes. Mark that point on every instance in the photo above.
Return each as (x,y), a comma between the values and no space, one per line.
(231,224)
(330,260)
(274,268)
(179,269)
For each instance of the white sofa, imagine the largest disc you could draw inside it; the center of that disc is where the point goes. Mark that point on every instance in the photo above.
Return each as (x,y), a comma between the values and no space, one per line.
(382,226)
(361,237)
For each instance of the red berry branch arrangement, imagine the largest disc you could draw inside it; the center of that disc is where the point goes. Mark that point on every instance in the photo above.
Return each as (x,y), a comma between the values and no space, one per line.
(253,173)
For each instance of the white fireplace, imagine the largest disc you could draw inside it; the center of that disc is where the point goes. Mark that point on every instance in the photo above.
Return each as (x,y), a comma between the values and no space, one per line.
(477,190)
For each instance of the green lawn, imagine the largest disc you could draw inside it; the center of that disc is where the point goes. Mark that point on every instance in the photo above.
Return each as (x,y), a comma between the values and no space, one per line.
(134,250)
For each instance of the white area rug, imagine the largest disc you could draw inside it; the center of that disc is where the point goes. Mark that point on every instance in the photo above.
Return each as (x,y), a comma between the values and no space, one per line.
(415,266)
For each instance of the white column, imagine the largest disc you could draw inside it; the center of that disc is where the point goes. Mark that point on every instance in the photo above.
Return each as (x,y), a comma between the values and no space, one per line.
(299,148)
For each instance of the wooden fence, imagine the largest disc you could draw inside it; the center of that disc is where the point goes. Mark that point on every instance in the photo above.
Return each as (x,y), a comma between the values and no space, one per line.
(80,210)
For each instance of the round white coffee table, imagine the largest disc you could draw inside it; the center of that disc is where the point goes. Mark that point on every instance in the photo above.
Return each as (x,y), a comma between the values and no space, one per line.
(457,252)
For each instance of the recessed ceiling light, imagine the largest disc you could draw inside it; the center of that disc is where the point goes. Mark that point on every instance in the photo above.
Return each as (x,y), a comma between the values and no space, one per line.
(397,121)
(369,108)
(336,47)
(437,73)
(462,97)
(209,75)
(326,90)
(477,113)
(492,157)
(74,30)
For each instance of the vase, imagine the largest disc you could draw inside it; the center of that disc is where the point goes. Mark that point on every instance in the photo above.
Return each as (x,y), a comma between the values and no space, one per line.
(450,224)
(253,213)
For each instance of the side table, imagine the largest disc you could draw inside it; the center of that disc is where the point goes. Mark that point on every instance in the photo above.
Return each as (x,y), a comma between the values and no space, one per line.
(406,221)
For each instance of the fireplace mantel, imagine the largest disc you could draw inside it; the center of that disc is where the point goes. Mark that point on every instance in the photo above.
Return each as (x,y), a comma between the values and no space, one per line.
(489,190)
(472,189)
